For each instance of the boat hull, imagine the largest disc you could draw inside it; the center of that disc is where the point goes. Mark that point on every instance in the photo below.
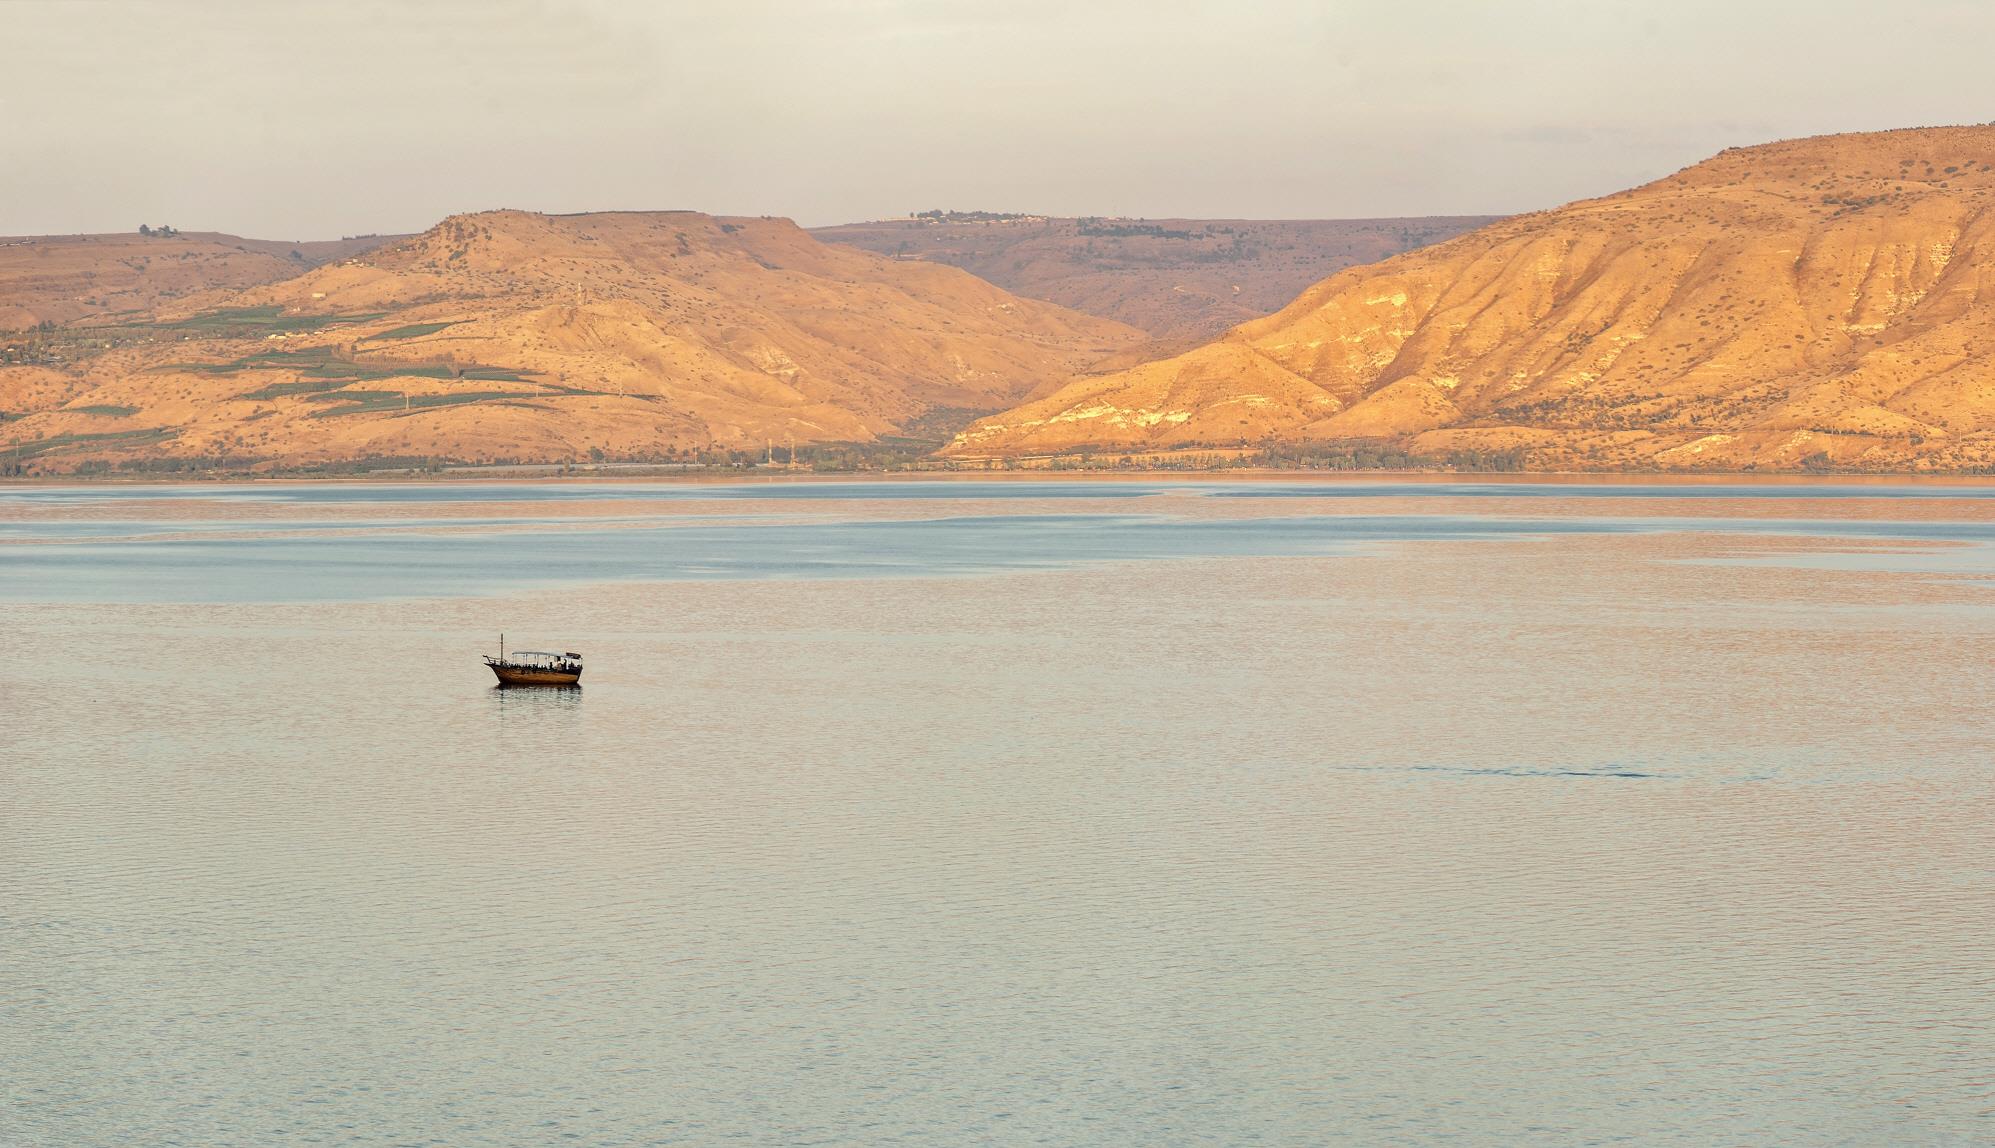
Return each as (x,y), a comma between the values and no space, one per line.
(515,676)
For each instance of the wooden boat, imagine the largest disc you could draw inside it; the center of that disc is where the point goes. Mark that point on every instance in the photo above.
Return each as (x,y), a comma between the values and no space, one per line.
(535,667)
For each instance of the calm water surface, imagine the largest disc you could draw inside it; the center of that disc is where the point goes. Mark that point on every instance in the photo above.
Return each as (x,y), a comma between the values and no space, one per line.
(999,813)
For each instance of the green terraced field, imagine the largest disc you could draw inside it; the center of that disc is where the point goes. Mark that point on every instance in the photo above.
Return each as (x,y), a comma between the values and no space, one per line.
(412,331)
(301,387)
(58,442)
(319,375)
(366,402)
(269,318)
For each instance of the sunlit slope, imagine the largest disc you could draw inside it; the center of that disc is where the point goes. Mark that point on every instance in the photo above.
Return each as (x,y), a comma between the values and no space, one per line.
(508,335)
(1812,302)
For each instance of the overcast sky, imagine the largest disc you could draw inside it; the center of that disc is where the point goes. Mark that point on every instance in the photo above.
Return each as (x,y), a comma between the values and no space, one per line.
(287,120)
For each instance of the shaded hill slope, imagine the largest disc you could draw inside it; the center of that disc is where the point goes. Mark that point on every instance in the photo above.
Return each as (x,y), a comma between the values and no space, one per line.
(65,278)
(1182,280)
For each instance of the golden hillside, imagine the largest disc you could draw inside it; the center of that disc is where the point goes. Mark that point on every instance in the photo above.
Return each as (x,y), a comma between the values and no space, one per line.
(508,335)
(1814,302)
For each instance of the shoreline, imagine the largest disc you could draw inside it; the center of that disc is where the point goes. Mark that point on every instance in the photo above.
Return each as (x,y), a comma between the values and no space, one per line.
(539,476)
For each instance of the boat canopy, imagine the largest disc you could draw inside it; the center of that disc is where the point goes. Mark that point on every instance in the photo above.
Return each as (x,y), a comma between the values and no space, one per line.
(541,654)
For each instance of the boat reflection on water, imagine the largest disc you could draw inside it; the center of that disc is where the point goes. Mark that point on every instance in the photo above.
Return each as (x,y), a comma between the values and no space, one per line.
(543,698)
(544,713)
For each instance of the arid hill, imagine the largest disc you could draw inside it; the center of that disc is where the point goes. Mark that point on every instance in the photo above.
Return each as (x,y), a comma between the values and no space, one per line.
(64,278)
(509,335)
(1817,302)
(1183,280)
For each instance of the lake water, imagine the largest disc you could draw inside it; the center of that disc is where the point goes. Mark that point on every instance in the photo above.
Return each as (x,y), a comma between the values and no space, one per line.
(999,813)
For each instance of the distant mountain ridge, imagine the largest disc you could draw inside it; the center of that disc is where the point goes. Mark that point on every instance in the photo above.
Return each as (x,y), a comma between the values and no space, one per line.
(1182,280)
(1809,303)
(65,278)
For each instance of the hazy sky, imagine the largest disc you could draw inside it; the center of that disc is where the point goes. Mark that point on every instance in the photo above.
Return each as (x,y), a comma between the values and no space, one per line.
(293,120)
